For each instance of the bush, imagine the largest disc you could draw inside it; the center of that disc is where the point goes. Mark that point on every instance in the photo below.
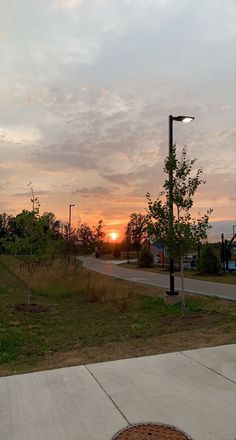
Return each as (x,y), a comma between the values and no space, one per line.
(146,258)
(209,261)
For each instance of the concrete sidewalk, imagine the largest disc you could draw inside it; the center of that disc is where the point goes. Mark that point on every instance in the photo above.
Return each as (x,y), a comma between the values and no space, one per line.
(192,390)
(199,287)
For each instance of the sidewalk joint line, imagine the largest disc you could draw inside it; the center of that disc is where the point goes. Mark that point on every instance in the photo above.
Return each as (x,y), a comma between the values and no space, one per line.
(211,369)
(110,398)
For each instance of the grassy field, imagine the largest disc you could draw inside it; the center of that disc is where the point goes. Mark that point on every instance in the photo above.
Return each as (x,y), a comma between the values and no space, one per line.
(227,278)
(77,317)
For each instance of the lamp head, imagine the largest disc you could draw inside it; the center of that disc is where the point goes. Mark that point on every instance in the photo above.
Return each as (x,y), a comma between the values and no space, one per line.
(184,119)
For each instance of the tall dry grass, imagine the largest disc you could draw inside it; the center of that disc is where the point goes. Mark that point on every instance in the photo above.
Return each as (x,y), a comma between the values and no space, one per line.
(60,279)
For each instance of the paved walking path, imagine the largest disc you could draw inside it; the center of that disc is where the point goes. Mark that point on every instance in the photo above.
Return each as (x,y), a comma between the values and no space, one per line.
(225,291)
(194,391)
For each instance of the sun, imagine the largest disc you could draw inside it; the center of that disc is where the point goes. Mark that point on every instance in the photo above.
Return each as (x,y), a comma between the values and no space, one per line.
(114,235)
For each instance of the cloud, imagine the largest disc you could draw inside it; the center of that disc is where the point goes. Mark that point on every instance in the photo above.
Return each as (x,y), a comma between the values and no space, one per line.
(63,157)
(19,135)
(118,179)
(92,133)
(227,133)
(222,182)
(141,176)
(95,190)
(67,4)
(28,194)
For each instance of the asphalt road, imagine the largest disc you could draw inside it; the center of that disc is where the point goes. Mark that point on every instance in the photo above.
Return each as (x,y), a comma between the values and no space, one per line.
(199,287)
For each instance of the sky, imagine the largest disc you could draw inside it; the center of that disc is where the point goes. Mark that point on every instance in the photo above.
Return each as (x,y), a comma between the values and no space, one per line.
(86,88)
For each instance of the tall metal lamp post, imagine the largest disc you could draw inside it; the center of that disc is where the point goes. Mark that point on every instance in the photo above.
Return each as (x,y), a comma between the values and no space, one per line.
(184,119)
(69,232)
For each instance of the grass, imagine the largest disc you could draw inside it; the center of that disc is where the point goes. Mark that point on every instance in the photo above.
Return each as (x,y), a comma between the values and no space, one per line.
(228,278)
(89,317)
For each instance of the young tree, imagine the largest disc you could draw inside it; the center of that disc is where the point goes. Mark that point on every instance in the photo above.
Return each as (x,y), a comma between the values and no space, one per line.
(136,230)
(26,233)
(186,231)
(34,199)
(33,238)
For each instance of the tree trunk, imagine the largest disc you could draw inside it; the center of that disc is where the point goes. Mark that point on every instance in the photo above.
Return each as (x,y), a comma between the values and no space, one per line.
(29,281)
(182,285)
(30,273)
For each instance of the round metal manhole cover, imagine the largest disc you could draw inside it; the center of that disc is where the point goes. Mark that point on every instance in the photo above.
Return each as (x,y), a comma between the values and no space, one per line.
(150,431)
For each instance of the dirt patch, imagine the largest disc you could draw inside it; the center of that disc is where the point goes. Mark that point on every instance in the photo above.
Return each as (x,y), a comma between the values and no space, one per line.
(32,308)
(189,320)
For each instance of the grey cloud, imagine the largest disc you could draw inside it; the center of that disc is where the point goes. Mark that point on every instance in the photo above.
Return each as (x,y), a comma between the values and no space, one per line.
(142,173)
(97,190)
(222,181)
(227,133)
(28,194)
(61,158)
(6,172)
(89,139)
(118,179)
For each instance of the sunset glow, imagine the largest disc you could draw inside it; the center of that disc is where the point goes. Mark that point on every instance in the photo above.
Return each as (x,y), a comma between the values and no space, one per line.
(114,235)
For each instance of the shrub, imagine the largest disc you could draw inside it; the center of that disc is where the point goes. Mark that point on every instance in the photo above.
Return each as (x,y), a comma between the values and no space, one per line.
(209,260)
(145,258)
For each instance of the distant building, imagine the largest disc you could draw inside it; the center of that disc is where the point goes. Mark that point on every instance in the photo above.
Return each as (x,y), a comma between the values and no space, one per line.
(157,250)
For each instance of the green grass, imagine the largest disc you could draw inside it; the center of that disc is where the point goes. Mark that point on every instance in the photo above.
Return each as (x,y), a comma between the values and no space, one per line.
(91,317)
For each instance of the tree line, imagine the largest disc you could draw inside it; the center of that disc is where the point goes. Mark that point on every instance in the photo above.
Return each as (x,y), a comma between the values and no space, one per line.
(30,233)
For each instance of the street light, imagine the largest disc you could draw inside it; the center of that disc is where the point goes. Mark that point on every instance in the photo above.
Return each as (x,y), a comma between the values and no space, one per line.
(69,231)
(184,119)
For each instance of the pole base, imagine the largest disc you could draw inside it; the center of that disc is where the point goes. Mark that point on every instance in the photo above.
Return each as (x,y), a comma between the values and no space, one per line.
(168,292)
(172,299)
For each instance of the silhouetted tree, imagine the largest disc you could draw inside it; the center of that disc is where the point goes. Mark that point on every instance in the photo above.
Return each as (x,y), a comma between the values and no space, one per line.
(98,234)
(136,230)
(6,229)
(85,238)
(209,260)
(146,258)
